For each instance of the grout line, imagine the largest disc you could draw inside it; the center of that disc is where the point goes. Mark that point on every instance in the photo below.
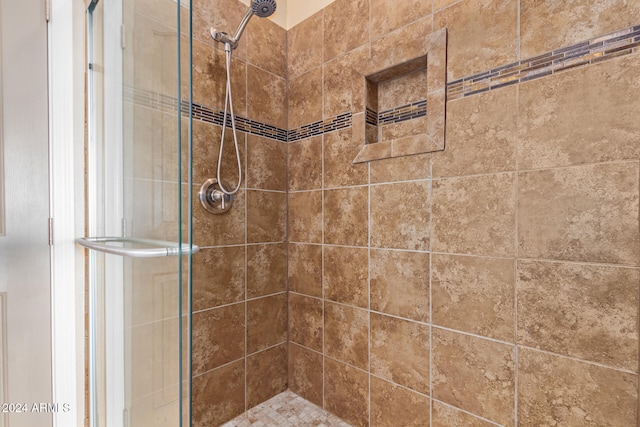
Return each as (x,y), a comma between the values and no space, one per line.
(467,412)
(518,31)
(409,389)
(469,334)
(431,288)
(306,190)
(300,294)
(239,302)
(265,190)
(551,168)
(364,371)
(305,243)
(575,359)
(516,191)
(585,263)
(419,180)
(638,316)
(518,259)
(425,323)
(346,187)
(224,365)
(287,283)
(368,403)
(404,181)
(322,194)
(369,283)
(246,240)
(476,175)
(454,254)
(240,245)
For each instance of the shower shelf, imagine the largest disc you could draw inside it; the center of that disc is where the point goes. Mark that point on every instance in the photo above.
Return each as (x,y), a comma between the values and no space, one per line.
(151,249)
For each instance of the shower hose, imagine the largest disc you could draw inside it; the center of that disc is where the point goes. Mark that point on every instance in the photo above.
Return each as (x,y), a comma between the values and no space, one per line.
(228,111)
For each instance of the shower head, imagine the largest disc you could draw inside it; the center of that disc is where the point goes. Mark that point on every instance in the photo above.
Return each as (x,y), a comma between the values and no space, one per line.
(261,8)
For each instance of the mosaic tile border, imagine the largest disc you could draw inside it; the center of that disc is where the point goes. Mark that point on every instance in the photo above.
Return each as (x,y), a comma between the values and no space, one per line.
(597,49)
(602,48)
(169,104)
(205,114)
(341,121)
(371,117)
(397,114)
(403,113)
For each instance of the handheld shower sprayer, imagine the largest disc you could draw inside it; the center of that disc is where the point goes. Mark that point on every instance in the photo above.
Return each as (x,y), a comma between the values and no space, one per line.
(213,195)
(260,8)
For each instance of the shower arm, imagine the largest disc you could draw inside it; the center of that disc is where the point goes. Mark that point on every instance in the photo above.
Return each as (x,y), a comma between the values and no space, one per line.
(243,25)
(222,37)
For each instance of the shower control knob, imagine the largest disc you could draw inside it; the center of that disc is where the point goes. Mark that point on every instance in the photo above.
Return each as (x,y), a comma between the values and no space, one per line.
(213,199)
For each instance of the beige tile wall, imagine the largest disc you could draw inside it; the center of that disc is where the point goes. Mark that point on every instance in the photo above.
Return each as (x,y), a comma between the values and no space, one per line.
(240,316)
(493,283)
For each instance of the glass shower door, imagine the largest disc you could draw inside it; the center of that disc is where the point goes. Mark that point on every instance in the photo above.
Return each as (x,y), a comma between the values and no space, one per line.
(138,181)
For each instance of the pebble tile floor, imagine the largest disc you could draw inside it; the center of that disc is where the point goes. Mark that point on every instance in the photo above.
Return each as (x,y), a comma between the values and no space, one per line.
(286,410)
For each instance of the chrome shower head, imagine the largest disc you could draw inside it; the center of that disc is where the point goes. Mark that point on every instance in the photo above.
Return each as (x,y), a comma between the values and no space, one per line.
(263,8)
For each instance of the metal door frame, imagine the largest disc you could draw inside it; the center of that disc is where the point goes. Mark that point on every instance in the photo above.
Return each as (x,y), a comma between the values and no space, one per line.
(106,205)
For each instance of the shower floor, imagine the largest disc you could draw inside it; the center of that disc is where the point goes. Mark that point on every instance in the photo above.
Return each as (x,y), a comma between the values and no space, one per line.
(286,409)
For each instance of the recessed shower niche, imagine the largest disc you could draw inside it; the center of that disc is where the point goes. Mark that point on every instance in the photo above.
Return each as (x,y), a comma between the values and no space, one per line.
(405,96)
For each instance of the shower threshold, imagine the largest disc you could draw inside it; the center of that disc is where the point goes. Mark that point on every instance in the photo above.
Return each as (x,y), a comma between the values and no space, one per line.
(284,410)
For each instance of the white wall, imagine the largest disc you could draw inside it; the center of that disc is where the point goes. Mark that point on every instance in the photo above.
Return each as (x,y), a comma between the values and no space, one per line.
(299,10)
(291,12)
(24,249)
(66,95)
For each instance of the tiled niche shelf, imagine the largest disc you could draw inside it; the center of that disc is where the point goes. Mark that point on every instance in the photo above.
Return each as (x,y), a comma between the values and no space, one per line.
(405,101)
(407,88)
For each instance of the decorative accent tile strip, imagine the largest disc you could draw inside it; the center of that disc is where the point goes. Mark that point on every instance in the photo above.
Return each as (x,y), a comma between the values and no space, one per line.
(341,121)
(612,45)
(402,113)
(169,104)
(608,46)
(397,114)
(371,117)
(205,114)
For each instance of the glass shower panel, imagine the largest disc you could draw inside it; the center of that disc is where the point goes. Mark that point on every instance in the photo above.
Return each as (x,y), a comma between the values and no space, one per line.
(138,182)
(156,341)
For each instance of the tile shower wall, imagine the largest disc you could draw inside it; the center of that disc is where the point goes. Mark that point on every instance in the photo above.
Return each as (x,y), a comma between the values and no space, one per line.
(493,283)
(239,277)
